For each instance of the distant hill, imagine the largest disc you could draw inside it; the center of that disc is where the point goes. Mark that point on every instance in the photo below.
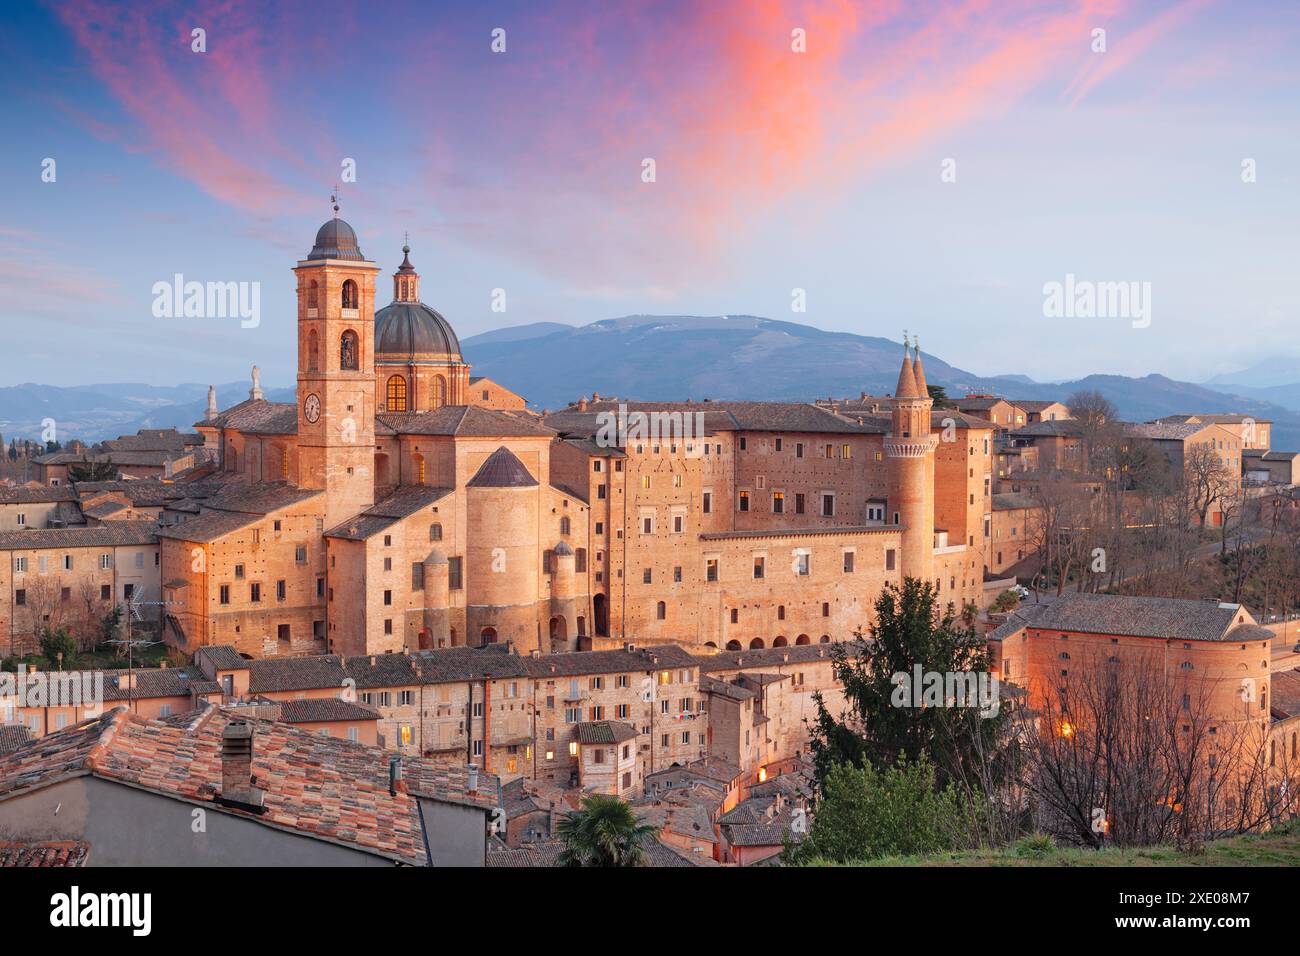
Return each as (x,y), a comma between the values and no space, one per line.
(95,412)
(658,358)
(1272,372)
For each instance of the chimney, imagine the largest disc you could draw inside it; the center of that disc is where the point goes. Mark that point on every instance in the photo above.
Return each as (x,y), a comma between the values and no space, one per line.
(211,413)
(534,653)
(237,766)
(595,396)
(582,404)
(395,776)
(629,646)
(551,820)
(472,784)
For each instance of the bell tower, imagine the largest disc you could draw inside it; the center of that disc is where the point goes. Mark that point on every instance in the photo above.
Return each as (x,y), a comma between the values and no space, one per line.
(910,448)
(336,334)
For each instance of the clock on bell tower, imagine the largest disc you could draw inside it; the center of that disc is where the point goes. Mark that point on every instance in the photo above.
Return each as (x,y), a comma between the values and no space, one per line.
(336,333)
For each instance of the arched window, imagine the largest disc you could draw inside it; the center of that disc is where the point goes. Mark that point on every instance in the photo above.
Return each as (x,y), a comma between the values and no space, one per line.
(564,525)
(661,611)
(803,639)
(435,532)
(756,644)
(313,294)
(419,469)
(350,295)
(396,398)
(313,350)
(488,635)
(437,392)
(780,641)
(733,645)
(349,357)
(826,639)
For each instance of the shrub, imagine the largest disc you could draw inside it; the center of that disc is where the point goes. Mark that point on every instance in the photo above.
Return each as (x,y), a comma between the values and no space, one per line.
(865,814)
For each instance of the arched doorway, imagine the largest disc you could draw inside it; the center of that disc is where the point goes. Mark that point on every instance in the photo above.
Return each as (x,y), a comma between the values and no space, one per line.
(426,639)
(488,635)
(381,469)
(582,626)
(803,639)
(779,641)
(600,610)
(756,644)
(559,630)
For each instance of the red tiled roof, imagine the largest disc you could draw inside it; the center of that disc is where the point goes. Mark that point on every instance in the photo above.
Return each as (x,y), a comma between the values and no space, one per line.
(317,785)
(49,853)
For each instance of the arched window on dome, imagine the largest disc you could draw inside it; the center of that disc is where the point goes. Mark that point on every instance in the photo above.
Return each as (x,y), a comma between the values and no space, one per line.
(350,297)
(348,351)
(313,351)
(438,392)
(313,295)
(396,397)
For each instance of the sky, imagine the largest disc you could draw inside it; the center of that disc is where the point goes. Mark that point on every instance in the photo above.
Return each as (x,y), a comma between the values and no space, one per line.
(929,166)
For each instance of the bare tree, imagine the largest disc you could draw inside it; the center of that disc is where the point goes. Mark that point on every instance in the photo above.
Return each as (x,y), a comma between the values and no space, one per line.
(1124,753)
(46,606)
(1207,479)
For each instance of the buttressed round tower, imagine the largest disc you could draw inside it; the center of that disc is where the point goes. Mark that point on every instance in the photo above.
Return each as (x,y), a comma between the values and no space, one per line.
(910,448)
(501,567)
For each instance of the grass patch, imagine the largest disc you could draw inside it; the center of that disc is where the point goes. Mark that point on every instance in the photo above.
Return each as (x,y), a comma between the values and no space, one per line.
(1280,847)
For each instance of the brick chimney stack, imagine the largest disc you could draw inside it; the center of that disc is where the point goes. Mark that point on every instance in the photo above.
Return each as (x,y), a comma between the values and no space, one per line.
(237,765)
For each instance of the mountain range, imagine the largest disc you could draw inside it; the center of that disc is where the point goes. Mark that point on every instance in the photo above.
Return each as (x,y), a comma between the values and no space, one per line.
(660,358)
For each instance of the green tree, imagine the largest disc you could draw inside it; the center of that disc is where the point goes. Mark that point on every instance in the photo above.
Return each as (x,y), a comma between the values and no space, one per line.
(939,395)
(56,641)
(866,813)
(87,470)
(605,832)
(880,725)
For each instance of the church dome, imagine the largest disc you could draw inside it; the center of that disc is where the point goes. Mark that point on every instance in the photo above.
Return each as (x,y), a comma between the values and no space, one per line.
(335,240)
(404,330)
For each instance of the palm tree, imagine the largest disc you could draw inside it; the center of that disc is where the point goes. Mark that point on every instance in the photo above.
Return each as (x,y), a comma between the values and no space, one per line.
(605,832)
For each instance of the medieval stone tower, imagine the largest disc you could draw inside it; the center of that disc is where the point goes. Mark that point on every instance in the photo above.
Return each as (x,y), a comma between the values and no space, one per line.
(502,573)
(336,328)
(910,448)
